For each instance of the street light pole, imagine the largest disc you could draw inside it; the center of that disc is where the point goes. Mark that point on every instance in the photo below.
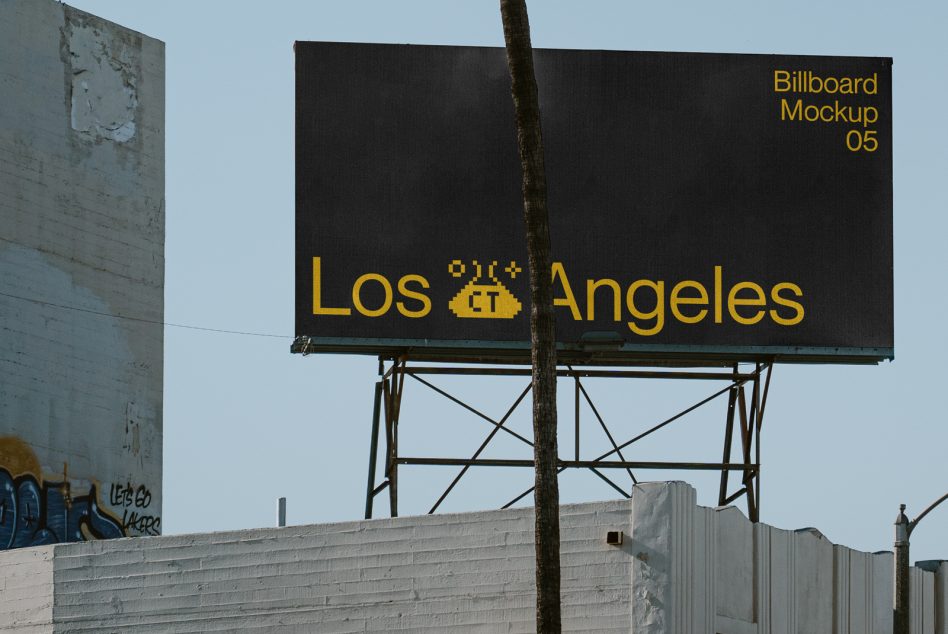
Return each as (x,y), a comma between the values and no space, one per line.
(903,532)
(900,614)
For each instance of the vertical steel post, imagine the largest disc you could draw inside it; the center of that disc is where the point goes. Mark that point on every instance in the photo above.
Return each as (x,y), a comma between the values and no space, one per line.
(576,378)
(728,435)
(757,440)
(373,451)
(397,385)
(281,512)
(900,614)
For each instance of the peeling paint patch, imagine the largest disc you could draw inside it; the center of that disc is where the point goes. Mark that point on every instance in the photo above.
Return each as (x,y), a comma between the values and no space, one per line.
(104,94)
(133,418)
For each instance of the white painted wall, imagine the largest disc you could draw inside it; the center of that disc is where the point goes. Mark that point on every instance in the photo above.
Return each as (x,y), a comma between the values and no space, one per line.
(26,591)
(681,569)
(463,573)
(940,592)
(81,225)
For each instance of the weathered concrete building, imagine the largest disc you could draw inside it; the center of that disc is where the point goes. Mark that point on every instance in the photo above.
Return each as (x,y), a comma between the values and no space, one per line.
(81,276)
(680,569)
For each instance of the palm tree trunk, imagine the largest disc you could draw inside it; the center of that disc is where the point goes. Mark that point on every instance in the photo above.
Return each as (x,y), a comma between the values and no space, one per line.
(542,334)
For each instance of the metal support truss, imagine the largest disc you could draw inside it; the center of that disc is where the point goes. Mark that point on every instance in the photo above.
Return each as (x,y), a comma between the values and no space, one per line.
(740,387)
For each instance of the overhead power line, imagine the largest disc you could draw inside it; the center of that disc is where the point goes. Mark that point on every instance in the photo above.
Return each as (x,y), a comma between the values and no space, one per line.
(142,319)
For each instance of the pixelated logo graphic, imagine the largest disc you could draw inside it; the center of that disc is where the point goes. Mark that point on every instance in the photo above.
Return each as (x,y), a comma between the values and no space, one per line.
(484,299)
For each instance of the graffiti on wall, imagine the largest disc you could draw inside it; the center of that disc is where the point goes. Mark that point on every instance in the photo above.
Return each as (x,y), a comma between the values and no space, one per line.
(36,511)
(135,503)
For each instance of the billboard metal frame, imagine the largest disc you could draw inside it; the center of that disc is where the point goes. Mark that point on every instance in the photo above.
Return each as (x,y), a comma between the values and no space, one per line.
(746,403)
(776,205)
(592,352)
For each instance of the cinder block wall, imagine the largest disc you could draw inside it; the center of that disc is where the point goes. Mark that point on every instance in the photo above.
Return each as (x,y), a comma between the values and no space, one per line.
(460,573)
(81,248)
(682,569)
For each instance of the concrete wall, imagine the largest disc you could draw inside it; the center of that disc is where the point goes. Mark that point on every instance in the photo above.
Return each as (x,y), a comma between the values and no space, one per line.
(461,573)
(681,569)
(26,591)
(81,247)
(718,573)
(721,574)
(923,621)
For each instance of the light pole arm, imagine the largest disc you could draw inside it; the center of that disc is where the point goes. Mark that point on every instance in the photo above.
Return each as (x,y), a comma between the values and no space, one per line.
(918,519)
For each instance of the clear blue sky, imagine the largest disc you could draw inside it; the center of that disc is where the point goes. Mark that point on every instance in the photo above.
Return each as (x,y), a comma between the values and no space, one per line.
(246,422)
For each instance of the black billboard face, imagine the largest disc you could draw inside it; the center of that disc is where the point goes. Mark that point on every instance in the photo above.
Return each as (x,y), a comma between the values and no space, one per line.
(701,205)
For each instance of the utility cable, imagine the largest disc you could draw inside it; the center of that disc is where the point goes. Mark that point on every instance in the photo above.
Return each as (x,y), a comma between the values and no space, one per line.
(142,319)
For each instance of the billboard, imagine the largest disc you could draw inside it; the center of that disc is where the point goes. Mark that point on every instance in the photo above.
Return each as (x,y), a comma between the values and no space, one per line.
(702,206)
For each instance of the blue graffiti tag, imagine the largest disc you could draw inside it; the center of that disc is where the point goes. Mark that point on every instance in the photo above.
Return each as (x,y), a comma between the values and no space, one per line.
(32,514)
